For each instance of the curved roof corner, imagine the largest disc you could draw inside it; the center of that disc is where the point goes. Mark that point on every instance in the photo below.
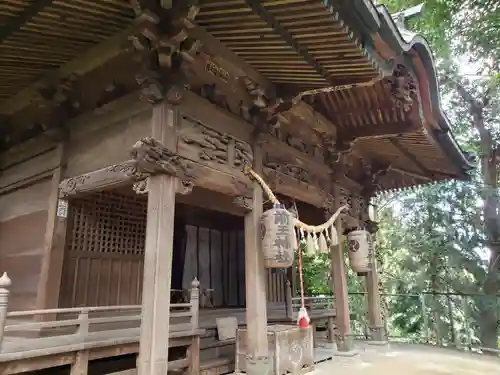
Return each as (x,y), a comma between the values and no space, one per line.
(402,42)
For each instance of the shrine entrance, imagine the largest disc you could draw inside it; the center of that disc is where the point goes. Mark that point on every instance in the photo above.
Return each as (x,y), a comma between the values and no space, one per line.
(104,255)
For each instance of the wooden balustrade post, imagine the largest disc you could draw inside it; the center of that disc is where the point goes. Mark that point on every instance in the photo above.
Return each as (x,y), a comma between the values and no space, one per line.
(83,325)
(81,364)
(5,284)
(289,299)
(195,303)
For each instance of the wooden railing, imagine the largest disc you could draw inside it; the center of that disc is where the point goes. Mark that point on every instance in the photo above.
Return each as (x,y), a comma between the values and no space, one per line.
(316,306)
(70,326)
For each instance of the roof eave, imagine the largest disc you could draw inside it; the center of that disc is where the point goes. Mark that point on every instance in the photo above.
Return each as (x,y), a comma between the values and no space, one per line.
(405,44)
(371,16)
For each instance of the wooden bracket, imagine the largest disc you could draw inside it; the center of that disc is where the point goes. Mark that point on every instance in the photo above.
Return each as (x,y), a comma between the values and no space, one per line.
(152,158)
(165,48)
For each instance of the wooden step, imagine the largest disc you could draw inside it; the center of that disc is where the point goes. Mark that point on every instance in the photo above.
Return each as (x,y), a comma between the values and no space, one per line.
(217,366)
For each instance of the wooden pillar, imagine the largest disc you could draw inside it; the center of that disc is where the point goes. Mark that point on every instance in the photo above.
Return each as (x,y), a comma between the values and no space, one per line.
(339,278)
(255,282)
(375,322)
(54,241)
(161,188)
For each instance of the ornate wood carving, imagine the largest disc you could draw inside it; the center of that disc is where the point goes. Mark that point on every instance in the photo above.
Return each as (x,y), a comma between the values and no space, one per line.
(329,206)
(60,103)
(295,180)
(371,178)
(151,158)
(297,172)
(243,202)
(97,180)
(165,48)
(266,108)
(198,142)
(403,88)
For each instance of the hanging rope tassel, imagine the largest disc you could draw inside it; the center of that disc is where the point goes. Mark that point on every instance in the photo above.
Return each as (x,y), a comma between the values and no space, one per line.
(303,317)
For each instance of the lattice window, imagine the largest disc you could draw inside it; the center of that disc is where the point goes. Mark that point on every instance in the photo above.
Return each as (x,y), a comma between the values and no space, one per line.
(108,223)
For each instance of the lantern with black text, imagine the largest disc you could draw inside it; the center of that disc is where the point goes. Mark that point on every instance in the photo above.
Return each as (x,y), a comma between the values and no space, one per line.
(359,247)
(278,237)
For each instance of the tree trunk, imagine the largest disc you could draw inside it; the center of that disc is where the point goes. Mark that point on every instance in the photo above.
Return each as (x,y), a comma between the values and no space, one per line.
(489,322)
(435,301)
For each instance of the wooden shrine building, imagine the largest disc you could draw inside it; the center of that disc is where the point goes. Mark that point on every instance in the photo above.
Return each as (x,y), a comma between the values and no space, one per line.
(126,126)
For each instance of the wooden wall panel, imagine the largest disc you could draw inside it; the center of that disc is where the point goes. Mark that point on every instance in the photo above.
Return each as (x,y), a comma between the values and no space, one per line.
(15,172)
(225,250)
(216,266)
(23,217)
(204,264)
(24,201)
(212,257)
(105,146)
(191,259)
(105,250)
(232,270)
(275,286)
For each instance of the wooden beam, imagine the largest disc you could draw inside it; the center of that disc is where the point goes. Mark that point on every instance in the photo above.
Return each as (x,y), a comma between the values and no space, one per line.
(93,58)
(240,68)
(29,13)
(106,178)
(412,157)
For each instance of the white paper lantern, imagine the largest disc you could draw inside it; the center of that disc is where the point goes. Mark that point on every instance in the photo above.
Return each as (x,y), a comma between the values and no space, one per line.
(359,247)
(278,238)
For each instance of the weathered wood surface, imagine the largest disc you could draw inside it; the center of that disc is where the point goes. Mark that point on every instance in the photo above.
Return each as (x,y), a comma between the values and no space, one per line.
(89,333)
(109,177)
(291,350)
(110,334)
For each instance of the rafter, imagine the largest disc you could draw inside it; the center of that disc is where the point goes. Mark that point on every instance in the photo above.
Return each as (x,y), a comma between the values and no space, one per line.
(268,18)
(390,129)
(28,14)
(80,65)
(412,157)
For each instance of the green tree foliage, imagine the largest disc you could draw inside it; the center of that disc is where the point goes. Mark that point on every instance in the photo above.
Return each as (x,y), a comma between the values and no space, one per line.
(456,221)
